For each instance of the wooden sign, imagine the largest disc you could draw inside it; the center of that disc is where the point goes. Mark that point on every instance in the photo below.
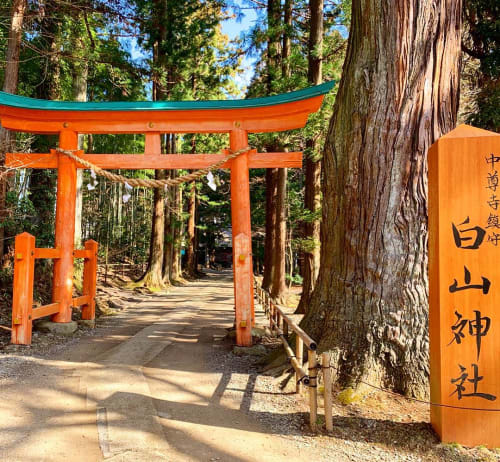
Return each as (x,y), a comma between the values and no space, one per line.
(464,285)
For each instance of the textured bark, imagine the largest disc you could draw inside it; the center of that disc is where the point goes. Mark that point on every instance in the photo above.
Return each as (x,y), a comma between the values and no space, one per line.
(80,78)
(287,39)
(11,78)
(176,233)
(271,185)
(272,68)
(43,181)
(153,277)
(275,243)
(14,46)
(278,283)
(312,164)
(398,94)
(159,263)
(169,255)
(191,262)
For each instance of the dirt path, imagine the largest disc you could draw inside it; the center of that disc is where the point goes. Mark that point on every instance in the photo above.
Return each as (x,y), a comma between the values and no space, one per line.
(141,389)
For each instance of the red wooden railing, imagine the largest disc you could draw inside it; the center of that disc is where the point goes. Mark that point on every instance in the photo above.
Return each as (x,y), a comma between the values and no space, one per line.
(23,313)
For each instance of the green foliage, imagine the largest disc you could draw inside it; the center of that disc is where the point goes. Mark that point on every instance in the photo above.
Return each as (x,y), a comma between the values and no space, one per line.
(481,41)
(294,279)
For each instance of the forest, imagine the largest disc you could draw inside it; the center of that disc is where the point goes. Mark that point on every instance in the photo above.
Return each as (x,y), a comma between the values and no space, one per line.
(349,229)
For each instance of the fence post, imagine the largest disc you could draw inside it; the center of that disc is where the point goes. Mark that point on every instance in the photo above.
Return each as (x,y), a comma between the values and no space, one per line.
(90,280)
(22,293)
(299,354)
(313,388)
(327,378)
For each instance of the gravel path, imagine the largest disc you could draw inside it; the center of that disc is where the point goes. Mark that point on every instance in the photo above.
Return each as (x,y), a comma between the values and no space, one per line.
(158,381)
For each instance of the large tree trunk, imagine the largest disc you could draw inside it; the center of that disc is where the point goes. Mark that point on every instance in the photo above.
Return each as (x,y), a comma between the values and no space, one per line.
(312,164)
(278,282)
(153,277)
(275,243)
(43,182)
(176,233)
(398,94)
(271,189)
(191,257)
(191,261)
(10,86)
(80,74)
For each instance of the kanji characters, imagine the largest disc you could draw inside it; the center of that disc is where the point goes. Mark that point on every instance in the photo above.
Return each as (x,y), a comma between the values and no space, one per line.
(464,377)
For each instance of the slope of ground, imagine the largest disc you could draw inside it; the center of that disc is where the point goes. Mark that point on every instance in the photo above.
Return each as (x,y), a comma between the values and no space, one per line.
(158,381)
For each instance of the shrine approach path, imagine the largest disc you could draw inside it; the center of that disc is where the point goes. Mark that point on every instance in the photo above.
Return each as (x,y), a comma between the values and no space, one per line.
(143,388)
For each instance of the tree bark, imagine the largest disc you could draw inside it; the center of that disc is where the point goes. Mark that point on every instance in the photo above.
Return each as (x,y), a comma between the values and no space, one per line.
(176,233)
(278,284)
(398,94)
(10,86)
(312,164)
(80,74)
(271,190)
(191,257)
(153,277)
(43,182)
(275,243)
(273,45)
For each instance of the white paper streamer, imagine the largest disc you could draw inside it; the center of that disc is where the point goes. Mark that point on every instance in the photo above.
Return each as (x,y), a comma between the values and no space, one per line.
(211,181)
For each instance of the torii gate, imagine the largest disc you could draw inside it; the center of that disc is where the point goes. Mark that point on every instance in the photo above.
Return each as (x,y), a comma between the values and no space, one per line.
(236,117)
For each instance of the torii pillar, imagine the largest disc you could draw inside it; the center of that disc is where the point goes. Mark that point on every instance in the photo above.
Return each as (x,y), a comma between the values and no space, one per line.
(242,239)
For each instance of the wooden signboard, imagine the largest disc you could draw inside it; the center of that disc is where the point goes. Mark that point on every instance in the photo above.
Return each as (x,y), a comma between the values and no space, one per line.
(464,285)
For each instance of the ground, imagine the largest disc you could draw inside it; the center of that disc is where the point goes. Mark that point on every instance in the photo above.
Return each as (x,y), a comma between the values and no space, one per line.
(157,380)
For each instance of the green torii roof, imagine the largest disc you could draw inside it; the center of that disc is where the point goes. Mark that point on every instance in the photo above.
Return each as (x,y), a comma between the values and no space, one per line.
(7,99)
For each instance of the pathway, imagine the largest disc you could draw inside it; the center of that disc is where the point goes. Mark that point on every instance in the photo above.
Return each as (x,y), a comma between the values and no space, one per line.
(142,389)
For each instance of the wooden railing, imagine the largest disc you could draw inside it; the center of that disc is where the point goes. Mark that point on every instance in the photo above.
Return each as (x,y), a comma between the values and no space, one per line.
(281,324)
(23,313)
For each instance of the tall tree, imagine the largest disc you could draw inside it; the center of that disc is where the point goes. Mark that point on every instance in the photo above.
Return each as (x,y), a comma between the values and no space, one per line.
(481,41)
(312,163)
(42,191)
(398,94)
(272,274)
(278,286)
(191,257)
(83,43)
(154,275)
(11,77)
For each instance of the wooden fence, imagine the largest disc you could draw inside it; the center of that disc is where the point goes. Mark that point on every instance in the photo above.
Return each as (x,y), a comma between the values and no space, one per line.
(23,313)
(281,324)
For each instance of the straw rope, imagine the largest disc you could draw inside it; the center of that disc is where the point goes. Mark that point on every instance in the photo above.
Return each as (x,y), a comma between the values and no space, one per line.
(150,183)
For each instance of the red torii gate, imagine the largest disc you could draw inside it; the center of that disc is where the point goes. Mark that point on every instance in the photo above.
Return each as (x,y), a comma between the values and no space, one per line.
(236,117)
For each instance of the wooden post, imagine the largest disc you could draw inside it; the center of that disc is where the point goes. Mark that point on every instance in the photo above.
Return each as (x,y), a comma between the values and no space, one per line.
(22,297)
(62,287)
(242,237)
(464,286)
(299,354)
(90,280)
(313,388)
(327,379)
(271,314)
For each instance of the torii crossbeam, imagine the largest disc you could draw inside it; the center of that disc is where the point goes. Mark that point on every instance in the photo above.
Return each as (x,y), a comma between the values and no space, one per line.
(236,117)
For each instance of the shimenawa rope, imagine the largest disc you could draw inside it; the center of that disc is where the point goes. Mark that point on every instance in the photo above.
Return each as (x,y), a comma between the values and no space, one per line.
(150,183)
